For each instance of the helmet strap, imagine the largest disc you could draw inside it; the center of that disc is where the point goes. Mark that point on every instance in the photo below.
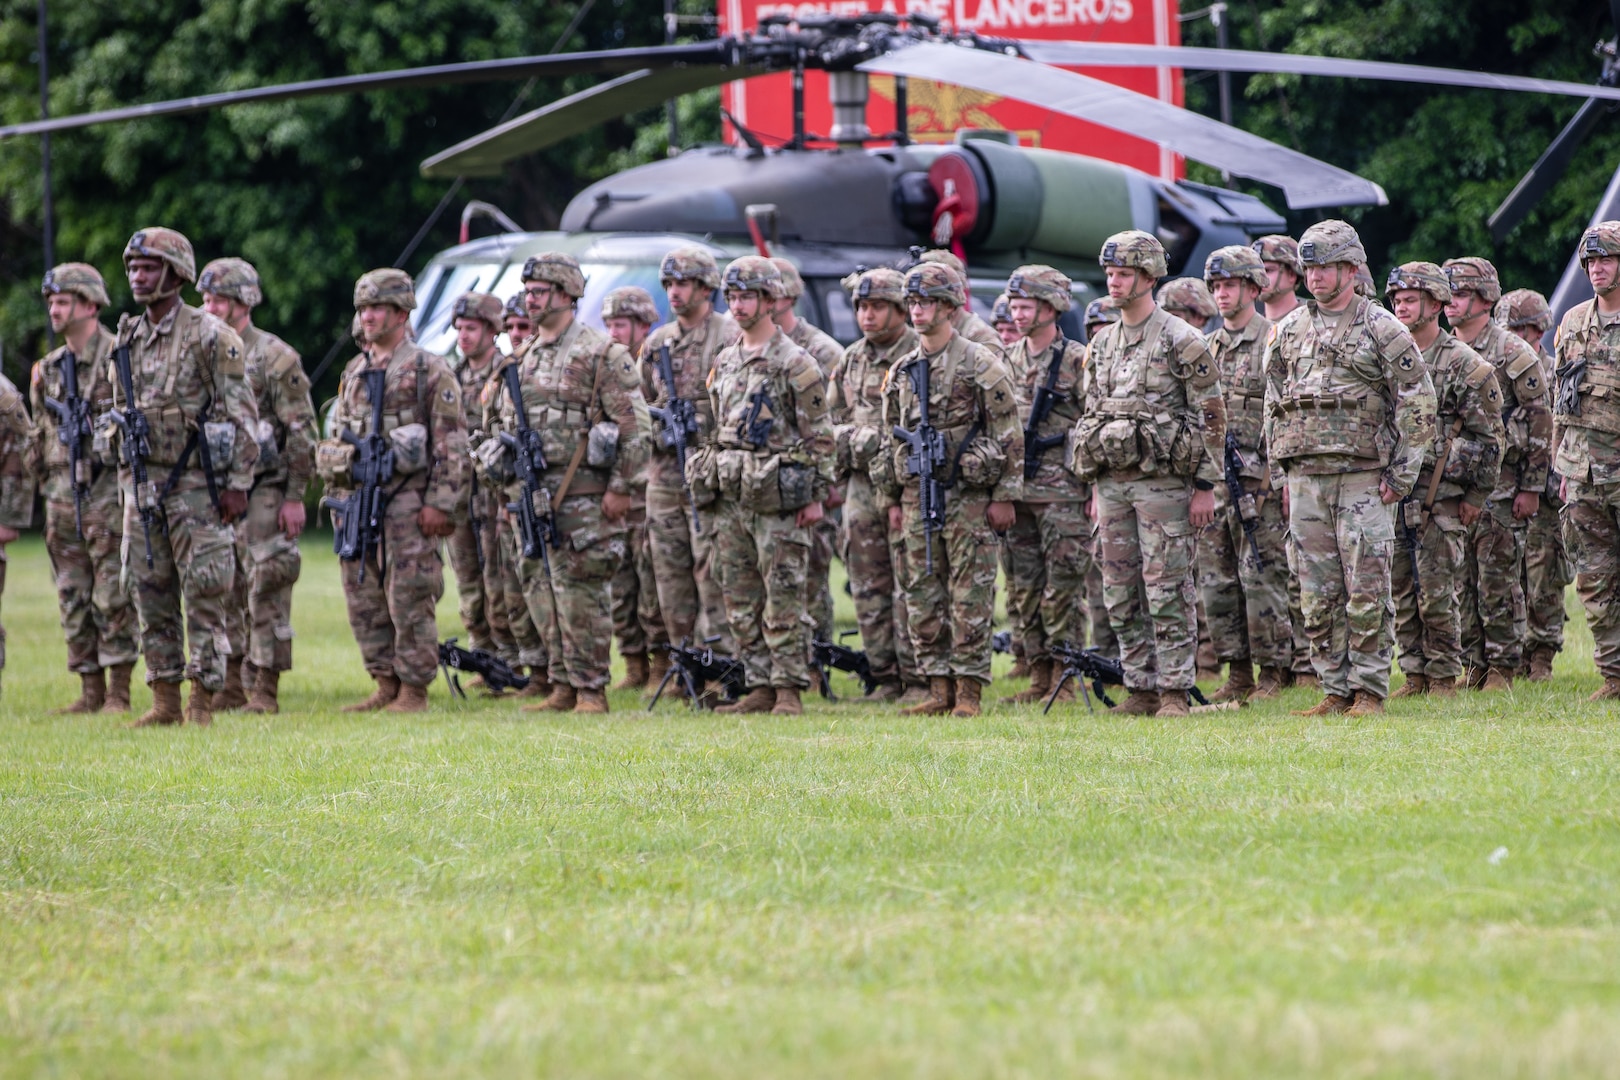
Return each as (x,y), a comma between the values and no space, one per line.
(1340,283)
(1141,290)
(762,311)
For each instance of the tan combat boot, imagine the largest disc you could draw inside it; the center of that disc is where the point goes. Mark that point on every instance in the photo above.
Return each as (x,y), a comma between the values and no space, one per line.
(1138,703)
(657,668)
(968,691)
(539,683)
(411,699)
(118,688)
(1173,703)
(1331,705)
(165,708)
(1473,678)
(915,693)
(1495,680)
(760,699)
(1541,664)
(787,702)
(940,700)
(887,691)
(1021,669)
(1416,685)
(200,705)
(266,689)
(1442,688)
(591,701)
(1269,686)
(92,694)
(387,690)
(636,672)
(1040,684)
(231,696)
(1366,704)
(1239,683)
(1307,680)
(562,698)
(1609,691)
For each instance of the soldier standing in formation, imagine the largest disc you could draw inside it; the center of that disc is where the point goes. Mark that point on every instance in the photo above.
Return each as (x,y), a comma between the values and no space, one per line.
(515,317)
(267,557)
(16,479)
(1100,312)
(188,376)
(1342,374)
(1189,300)
(872,559)
(1001,321)
(83,540)
(392,596)
(966,321)
(1458,475)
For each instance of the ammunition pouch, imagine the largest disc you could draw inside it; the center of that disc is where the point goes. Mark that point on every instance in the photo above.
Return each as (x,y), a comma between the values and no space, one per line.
(333,461)
(221,438)
(983,463)
(771,484)
(102,446)
(1311,424)
(264,433)
(602,445)
(411,451)
(495,463)
(168,433)
(703,476)
(1462,465)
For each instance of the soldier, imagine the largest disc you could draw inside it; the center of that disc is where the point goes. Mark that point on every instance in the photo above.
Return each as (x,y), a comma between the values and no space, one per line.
(873,561)
(391,598)
(267,557)
(1245,582)
(527,648)
(475,546)
(973,405)
(577,386)
(1349,413)
(1151,440)
(1546,563)
(767,470)
(629,313)
(1048,546)
(515,318)
(688,593)
(16,481)
(186,368)
(1457,478)
(1588,446)
(83,540)
(1493,605)
(1189,300)
(966,321)
(1099,313)
(1001,321)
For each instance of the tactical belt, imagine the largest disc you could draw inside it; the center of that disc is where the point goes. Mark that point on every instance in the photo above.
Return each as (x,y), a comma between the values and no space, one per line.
(1325,402)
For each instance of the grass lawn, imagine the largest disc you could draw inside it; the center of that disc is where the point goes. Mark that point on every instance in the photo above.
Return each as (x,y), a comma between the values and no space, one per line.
(478,891)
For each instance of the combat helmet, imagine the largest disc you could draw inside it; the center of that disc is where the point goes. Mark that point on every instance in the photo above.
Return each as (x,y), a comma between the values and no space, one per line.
(385,286)
(480,305)
(1474,274)
(166,244)
(754,273)
(1101,310)
(1040,282)
(1236,262)
(945,257)
(1280,249)
(1001,310)
(630,302)
(559,268)
(1329,242)
(1423,277)
(515,308)
(1136,249)
(235,279)
(80,279)
(1190,295)
(690,263)
(1524,307)
(935,281)
(880,283)
(792,283)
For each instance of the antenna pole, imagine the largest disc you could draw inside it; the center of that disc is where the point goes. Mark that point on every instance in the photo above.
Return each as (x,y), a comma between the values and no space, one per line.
(798,104)
(671,113)
(1217,15)
(47,204)
(902,132)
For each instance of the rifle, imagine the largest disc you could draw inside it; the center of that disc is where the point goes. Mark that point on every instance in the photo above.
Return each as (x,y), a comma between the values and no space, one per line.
(1090,665)
(1242,502)
(697,668)
(1001,641)
(925,458)
(357,521)
(137,444)
(538,528)
(826,655)
(755,429)
(680,426)
(1413,546)
(72,428)
(1035,444)
(1568,401)
(497,673)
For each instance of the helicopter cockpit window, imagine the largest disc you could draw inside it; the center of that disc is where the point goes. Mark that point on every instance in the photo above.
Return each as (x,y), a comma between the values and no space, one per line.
(435,326)
(603,278)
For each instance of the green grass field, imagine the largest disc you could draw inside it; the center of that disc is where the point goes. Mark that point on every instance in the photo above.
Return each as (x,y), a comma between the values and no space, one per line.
(482,892)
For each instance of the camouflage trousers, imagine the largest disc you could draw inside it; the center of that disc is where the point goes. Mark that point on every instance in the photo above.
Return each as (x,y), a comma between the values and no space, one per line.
(762,564)
(1592,535)
(1493,612)
(184,597)
(818,587)
(1429,628)
(951,611)
(528,645)
(572,606)
(98,619)
(1247,604)
(683,570)
(1296,613)
(1147,560)
(1546,574)
(874,577)
(1102,632)
(392,612)
(481,598)
(1048,557)
(268,565)
(637,621)
(1345,536)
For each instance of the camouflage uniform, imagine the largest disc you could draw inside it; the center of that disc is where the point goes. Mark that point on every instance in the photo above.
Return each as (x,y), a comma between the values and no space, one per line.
(873,560)
(1245,601)
(97,616)
(973,404)
(761,552)
(1099,313)
(1588,457)
(392,611)
(1189,300)
(682,559)
(16,485)
(1154,428)
(1323,371)
(1493,604)
(966,321)
(1428,627)
(186,370)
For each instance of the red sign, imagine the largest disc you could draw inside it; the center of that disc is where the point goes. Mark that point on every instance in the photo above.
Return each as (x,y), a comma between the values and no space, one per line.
(937,110)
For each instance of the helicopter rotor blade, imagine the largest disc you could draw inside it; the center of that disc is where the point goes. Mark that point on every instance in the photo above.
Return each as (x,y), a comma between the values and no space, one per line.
(1305,181)
(1546,172)
(485,153)
(1102,54)
(603,62)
